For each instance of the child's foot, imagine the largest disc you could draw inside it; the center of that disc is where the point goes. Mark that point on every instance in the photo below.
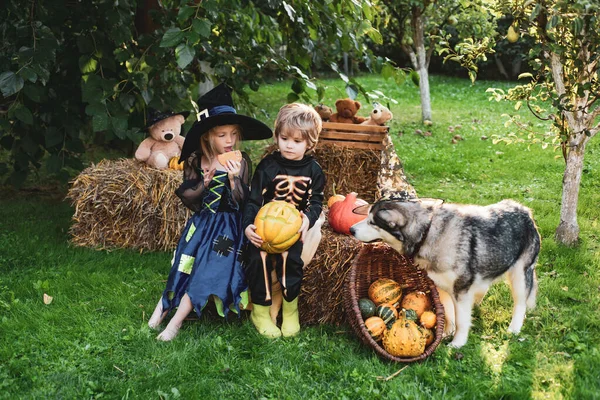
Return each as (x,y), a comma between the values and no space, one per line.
(157,316)
(168,334)
(291,320)
(261,319)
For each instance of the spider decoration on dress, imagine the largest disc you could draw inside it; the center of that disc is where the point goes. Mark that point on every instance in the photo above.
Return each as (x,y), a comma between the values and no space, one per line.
(294,190)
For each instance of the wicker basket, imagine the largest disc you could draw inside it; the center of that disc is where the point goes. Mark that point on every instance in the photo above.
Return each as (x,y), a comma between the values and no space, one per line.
(381,261)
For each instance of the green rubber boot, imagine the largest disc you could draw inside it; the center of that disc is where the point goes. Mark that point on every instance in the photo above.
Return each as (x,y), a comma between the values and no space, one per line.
(291,320)
(261,318)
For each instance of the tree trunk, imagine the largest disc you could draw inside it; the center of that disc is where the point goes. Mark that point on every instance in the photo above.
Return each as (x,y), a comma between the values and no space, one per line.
(567,232)
(421,61)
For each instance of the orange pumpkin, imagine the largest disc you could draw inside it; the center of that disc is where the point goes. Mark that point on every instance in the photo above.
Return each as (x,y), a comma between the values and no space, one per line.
(175,164)
(385,290)
(428,335)
(341,217)
(277,223)
(418,301)
(376,327)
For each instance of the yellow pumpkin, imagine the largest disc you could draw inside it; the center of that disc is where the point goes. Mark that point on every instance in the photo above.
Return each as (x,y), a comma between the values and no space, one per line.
(277,223)
(385,290)
(418,301)
(428,319)
(175,164)
(404,339)
(334,199)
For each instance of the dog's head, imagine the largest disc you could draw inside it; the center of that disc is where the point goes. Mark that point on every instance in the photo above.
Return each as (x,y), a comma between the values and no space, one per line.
(401,224)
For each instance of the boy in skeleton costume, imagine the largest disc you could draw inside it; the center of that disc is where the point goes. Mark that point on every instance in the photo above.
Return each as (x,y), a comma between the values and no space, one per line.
(293,175)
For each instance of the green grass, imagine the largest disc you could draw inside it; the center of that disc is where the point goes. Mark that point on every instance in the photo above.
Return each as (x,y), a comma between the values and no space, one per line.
(92,340)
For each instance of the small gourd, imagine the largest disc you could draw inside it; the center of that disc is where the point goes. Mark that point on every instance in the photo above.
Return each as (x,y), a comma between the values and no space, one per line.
(428,319)
(387,312)
(367,308)
(404,339)
(278,223)
(175,164)
(428,335)
(335,198)
(376,328)
(341,217)
(385,290)
(418,301)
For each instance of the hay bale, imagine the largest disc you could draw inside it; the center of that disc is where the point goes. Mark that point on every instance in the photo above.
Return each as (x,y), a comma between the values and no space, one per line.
(321,300)
(126,204)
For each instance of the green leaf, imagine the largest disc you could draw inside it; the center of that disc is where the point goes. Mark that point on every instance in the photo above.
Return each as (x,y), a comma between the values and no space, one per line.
(202,27)
(28,74)
(352,91)
(35,93)
(53,137)
(53,164)
(172,37)
(95,108)
(100,122)
(119,126)
(298,86)
(10,83)
(23,114)
(147,95)
(525,75)
(290,11)
(416,79)
(185,13)
(292,97)
(387,71)
(185,55)
(320,93)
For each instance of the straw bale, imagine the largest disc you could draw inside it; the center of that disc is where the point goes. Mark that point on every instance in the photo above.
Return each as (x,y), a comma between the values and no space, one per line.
(321,296)
(125,203)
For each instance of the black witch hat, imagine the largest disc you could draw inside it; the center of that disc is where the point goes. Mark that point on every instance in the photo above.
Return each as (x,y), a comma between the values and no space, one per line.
(155,116)
(216,109)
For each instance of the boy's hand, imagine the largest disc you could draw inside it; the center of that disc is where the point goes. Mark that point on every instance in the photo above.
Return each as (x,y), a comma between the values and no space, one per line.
(304,227)
(252,236)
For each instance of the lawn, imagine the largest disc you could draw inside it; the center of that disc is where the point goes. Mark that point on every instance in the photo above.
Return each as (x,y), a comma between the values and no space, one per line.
(92,341)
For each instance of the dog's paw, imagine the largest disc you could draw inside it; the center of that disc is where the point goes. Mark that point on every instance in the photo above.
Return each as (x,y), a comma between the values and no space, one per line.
(457,344)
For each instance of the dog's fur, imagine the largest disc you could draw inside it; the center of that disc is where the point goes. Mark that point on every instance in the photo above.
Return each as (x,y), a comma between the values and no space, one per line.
(464,249)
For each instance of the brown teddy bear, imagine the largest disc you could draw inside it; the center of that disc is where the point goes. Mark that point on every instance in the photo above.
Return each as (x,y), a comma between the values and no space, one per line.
(165,141)
(346,112)
(379,116)
(324,111)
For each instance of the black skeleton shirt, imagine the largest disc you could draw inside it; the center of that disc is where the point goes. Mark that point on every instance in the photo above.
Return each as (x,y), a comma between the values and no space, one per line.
(299,182)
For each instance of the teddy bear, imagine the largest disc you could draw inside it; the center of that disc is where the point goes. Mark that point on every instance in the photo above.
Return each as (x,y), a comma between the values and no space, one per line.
(346,112)
(164,142)
(379,116)
(324,111)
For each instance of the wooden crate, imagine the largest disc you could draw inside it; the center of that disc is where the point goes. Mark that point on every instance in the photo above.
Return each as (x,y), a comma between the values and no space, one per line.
(354,135)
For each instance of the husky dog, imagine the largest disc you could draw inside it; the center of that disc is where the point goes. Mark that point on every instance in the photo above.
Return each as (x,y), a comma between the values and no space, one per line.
(463,249)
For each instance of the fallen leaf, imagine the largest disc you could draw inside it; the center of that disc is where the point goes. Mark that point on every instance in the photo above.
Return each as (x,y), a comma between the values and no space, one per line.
(47,299)
(565,288)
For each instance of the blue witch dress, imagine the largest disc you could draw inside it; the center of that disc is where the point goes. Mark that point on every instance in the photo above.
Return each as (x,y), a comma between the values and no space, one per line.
(207,262)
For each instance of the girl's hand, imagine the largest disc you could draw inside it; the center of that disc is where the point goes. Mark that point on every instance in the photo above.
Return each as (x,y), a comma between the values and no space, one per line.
(304,227)
(233,168)
(208,177)
(252,236)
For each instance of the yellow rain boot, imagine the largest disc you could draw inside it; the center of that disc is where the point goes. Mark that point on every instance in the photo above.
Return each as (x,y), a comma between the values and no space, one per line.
(261,319)
(291,320)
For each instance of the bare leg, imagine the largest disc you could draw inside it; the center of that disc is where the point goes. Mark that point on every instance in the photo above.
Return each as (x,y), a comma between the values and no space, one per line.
(157,316)
(277,297)
(172,329)
(312,240)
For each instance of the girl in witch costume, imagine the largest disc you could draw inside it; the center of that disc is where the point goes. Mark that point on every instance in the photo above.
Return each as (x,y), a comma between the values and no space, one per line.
(207,260)
(290,174)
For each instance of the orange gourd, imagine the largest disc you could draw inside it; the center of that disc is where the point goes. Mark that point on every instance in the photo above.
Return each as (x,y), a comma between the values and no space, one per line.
(335,198)
(418,301)
(175,164)
(404,339)
(428,319)
(376,327)
(385,290)
(277,223)
(341,217)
